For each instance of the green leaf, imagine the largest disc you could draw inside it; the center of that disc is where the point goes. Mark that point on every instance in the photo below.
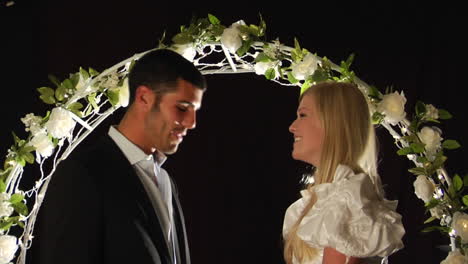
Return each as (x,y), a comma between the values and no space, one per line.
(262,57)
(270,74)
(20,208)
(444,114)
(28,157)
(345,65)
(450,144)
(5,225)
(291,78)
(213,20)
(93,72)
(430,219)
(413,127)
(465,180)
(2,186)
(319,75)
(418,171)
(18,142)
(245,47)
(16,198)
(438,162)
(350,60)
(420,108)
(436,228)
(377,117)
(217,31)
(74,79)
(26,149)
(432,203)
(457,182)
(182,38)
(54,80)
(421,159)
(84,73)
(21,224)
(417,147)
(92,100)
(297,47)
(47,91)
(451,190)
(306,85)
(60,92)
(254,30)
(47,99)
(295,56)
(405,151)
(280,71)
(75,108)
(465,200)
(67,84)
(373,92)
(113,96)
(262,26)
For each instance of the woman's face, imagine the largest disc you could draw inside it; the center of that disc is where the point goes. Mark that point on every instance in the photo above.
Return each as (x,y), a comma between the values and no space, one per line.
(308,132)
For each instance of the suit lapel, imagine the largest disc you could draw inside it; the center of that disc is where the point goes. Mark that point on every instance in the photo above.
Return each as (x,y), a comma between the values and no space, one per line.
(183,247)
(130,183)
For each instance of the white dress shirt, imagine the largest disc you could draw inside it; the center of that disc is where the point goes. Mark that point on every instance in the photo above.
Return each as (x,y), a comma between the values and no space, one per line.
(154,179)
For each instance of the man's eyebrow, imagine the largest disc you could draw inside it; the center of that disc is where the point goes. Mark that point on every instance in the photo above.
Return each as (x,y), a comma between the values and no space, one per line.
(187,103)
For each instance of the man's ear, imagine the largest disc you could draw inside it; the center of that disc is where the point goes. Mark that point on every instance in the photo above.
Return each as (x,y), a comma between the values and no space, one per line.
(144,97)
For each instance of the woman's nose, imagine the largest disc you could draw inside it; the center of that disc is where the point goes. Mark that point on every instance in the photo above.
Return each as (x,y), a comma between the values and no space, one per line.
(292,127)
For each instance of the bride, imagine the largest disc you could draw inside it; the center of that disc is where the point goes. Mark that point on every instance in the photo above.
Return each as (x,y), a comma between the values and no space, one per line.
(342,216)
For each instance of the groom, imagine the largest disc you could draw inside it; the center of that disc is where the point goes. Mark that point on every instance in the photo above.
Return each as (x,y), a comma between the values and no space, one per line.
(113,203)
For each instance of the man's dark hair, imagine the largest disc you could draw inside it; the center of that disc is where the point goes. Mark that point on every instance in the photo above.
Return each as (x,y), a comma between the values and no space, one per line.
(160,69)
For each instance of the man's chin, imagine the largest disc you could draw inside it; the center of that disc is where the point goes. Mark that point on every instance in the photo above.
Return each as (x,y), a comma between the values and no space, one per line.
(171,149)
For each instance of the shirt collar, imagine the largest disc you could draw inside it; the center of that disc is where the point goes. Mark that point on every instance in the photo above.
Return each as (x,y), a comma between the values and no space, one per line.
(132,152)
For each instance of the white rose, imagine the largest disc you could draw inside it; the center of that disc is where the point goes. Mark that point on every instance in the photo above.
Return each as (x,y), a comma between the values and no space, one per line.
(423,188)
(188,51)
(460,225)
(111,81)
(274,49)
(124,94)
(80,86)
(305,68)
(438,213)
(5,206)
(42,143)
(431,138)
(60,123)
(262,66)
(32,123)
(455,257)
(431,112)
(5,209)
(231,37)
(8,247)
(393,107)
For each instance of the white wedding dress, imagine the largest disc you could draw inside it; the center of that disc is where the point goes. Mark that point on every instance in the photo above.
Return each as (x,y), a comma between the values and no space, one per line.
(348,216)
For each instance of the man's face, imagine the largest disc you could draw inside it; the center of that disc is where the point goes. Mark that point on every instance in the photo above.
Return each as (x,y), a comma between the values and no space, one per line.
(171,116)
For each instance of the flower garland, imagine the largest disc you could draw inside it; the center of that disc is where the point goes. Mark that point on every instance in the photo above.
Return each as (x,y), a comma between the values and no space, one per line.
(88,97)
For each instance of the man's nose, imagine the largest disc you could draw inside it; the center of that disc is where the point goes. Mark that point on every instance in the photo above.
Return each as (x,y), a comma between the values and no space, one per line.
(190,121)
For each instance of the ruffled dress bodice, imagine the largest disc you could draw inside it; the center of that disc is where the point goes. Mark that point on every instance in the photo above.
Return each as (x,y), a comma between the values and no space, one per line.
(348,216)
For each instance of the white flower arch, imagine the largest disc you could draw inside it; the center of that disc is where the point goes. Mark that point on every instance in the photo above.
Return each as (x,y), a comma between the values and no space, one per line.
(85,99)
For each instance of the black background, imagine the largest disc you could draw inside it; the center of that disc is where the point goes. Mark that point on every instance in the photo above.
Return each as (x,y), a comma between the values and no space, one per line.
(234,171)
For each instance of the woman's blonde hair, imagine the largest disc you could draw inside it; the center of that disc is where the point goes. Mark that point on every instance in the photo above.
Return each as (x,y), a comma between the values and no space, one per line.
(349,139)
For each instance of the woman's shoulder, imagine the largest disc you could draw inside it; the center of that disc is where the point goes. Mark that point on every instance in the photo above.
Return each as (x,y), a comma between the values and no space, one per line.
(350,217)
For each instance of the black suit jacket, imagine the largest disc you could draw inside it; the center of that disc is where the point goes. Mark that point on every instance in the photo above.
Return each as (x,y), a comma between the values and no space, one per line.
(96,210)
